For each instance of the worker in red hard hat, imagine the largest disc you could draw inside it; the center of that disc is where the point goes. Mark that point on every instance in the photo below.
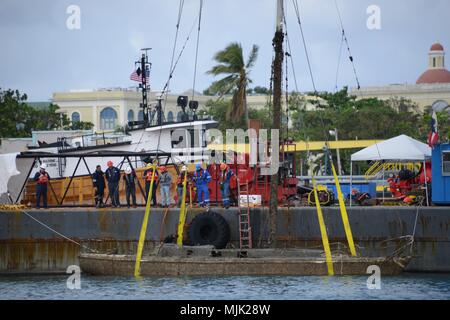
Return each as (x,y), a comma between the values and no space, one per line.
(165,182)
(224,179)
(42,179)
(112,175)
(148,174)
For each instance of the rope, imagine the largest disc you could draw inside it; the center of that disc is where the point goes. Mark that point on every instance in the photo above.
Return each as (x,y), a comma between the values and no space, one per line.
(196,49)
(338,64)
(56,232)
(165,90)
(346,42)
(296,7)
(414,230)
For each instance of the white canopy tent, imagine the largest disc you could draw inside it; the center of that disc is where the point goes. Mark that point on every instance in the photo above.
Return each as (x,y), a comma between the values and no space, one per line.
(400,148)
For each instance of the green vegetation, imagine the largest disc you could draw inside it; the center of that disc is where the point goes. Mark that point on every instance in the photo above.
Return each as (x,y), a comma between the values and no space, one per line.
(360,119)
(19,118)
(231,64)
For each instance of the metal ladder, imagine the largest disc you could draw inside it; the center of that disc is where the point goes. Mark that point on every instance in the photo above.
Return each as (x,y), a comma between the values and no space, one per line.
(245,229)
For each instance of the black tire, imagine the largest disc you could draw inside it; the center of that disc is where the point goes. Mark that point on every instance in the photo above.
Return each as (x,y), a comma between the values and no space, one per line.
(209,228)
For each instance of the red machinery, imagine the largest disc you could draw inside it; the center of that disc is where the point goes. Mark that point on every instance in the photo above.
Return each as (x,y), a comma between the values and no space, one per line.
(258,184)
(406,184)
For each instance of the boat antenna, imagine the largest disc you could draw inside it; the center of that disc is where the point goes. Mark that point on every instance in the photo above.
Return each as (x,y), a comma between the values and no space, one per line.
(144,72)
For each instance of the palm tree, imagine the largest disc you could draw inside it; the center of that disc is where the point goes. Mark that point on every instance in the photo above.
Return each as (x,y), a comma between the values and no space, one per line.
(232,64)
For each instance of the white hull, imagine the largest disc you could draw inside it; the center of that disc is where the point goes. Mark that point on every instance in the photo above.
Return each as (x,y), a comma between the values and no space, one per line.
(146,140)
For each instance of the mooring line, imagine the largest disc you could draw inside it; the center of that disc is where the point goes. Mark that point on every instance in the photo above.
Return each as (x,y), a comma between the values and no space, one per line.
(58,233)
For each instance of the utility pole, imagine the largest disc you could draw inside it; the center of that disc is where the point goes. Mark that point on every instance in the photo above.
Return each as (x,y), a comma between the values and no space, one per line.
(338,156)
(277,43)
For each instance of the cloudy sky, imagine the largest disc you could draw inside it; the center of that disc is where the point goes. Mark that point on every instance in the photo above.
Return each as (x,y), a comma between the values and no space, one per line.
(39,55)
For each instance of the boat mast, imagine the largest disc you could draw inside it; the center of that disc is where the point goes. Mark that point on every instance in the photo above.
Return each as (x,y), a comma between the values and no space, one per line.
(145,70)
(277,43)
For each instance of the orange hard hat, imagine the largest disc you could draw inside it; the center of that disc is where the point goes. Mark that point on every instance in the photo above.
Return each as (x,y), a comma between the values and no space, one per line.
(109,163)
(223,166)
(408,200)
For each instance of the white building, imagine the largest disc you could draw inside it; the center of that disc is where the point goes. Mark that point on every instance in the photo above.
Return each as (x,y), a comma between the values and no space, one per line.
(432,88)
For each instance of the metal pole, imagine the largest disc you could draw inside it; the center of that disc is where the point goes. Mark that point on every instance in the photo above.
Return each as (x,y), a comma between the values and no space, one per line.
(26,180)
(137,179)
(70,181)
(278,40)
(338,154)
(351,181)
(426,182)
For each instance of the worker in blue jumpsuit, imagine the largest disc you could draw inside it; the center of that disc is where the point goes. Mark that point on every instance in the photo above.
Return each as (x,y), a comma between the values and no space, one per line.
(225,176)
(42,179)
(201,179)
(112,175)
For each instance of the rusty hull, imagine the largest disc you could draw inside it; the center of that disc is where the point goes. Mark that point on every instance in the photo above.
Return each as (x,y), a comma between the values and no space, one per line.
(28,247)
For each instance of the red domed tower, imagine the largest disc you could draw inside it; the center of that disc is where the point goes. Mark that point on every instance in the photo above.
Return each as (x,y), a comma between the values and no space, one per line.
(436,72)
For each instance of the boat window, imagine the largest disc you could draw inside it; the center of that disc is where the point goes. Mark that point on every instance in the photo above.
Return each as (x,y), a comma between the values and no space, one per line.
(75,117)
(108,119)
(130,115)
(446,163)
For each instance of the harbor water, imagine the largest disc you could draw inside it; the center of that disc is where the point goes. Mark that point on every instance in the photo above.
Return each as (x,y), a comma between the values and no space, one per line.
(404,287)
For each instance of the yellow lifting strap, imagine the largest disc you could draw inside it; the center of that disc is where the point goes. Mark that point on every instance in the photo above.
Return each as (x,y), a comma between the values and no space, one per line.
(345,221)
(140,248)
(323,231)
(182,220)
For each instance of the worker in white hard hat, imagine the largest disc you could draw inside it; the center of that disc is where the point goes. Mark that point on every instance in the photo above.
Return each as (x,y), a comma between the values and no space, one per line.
(180,180)
(130,186)
(42,178)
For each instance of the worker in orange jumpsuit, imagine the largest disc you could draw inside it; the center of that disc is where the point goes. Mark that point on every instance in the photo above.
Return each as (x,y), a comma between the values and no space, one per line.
(224,179)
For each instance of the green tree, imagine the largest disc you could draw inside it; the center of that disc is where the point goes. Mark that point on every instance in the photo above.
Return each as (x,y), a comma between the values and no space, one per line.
(218,110)
(19,119)
(15,114)
(368,118)
(231,64)
(260,90)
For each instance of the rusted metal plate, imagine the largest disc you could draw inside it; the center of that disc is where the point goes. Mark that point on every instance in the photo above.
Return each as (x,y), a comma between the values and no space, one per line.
(27,245)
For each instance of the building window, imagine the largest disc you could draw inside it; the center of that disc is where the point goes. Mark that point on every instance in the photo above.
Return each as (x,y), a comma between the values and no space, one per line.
(179,116)
(446,163)
(434,62)
(130,115)
(170,116)
(141,115)
(108,119)
(76,117)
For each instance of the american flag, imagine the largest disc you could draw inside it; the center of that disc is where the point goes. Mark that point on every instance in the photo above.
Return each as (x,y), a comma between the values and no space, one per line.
(433,136)
(136,77)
